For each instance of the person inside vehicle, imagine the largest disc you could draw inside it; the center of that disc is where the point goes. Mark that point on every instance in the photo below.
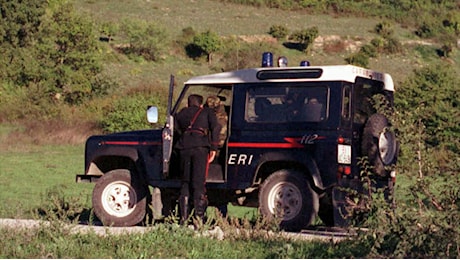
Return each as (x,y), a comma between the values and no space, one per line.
(198,131)
(261,108)
(215,103)
(312,111)
(293,105)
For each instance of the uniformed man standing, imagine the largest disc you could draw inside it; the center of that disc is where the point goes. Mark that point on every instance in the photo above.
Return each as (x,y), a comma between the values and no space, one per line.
(198,131)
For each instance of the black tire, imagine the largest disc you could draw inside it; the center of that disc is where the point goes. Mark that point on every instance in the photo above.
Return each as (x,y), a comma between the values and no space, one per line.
(169,198)
(286,195)
(120,200)
(326,210)
(379,144)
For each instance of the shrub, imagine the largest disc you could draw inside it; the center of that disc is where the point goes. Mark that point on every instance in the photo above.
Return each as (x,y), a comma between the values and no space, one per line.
(384,29)
(378,43)
(279,32)
(369,50)
(127,112)
(305,37)
(393,46)
(358,59)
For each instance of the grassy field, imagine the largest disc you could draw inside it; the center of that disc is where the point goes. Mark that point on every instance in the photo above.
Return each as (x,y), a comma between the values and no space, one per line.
(28,174)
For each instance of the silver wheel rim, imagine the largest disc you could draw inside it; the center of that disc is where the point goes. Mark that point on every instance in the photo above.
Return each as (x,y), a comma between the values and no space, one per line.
(387,146)
(119,199)
(285,200)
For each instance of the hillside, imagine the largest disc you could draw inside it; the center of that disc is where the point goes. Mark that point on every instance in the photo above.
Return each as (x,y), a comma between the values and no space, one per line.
(233,20)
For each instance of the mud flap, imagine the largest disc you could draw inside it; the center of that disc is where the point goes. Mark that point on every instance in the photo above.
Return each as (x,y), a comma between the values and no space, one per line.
(343,212)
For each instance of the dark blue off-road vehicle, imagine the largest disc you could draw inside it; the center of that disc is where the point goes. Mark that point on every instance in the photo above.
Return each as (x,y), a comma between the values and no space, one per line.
(300,141)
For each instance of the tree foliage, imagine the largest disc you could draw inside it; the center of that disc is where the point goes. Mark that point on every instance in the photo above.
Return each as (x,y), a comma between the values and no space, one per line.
(51,47)
(208,42)
(434,91)
(145,39)
(69,51)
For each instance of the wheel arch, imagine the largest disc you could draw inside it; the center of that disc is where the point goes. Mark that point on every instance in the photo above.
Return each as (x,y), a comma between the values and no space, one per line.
(113,158)
(274,162)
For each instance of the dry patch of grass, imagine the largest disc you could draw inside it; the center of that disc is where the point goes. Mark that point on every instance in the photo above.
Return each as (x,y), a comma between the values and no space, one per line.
(51,132)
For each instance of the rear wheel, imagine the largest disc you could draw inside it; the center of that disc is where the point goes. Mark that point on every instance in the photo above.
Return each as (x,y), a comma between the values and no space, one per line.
(119,199)
(286,195)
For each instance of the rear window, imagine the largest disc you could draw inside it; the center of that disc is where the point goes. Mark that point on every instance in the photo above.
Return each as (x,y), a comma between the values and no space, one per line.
(276,104)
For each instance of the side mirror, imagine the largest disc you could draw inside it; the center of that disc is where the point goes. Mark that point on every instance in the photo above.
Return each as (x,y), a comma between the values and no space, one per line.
(152,114)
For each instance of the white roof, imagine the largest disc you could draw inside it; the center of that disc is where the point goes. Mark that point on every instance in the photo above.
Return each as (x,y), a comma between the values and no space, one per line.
(346,73)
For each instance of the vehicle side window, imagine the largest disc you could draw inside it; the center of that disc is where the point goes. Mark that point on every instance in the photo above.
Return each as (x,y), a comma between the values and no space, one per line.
(276,104)
(346,103)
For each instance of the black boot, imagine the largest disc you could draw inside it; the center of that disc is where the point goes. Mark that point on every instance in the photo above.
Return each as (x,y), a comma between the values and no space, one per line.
(200,207)
(183,208)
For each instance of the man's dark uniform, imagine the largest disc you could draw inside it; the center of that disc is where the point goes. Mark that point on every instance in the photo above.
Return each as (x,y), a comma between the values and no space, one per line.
(198,131)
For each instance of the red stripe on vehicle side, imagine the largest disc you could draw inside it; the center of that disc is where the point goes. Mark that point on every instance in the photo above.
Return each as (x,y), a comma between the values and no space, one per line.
(291,143)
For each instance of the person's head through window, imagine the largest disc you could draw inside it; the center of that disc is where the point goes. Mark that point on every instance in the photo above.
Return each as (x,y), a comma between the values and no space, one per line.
(195,100)
(313,101)
(213,102)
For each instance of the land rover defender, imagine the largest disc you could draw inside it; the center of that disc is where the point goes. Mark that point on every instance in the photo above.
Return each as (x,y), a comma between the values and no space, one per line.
(298,140)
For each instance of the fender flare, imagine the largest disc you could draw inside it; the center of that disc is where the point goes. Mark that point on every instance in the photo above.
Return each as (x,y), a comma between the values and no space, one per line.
(309,164)
(314,172)
(127,152)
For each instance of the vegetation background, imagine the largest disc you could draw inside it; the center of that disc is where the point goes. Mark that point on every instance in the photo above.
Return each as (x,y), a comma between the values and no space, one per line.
(69,69)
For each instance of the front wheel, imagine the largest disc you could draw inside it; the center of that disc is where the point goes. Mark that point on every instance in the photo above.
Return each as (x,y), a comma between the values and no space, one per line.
(286,195)
(119,199)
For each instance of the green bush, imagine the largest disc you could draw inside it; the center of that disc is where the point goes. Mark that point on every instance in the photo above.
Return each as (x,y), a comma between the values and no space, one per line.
(384,29)
(129,113)
(279,32)
(393,46)
(369,50)
(305,37)
(359,59)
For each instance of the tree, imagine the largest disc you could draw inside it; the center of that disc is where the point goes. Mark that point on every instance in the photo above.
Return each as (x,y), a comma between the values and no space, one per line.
(145,39)
(19,27)
(208,42)
(68,54)
(434,90)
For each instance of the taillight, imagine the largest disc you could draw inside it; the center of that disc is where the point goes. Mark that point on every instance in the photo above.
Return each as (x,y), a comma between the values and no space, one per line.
(343,157)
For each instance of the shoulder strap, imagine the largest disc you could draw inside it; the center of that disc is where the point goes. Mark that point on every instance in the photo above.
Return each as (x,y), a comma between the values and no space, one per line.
(195,117)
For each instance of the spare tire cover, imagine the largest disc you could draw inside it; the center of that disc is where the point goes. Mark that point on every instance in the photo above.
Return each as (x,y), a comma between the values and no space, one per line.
(379,144)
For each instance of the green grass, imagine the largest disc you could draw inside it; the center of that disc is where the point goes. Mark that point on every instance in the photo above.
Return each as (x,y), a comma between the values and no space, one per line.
(28,173)
(164,241)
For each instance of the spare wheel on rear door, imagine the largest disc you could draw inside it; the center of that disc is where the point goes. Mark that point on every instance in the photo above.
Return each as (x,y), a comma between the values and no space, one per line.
(379,144)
